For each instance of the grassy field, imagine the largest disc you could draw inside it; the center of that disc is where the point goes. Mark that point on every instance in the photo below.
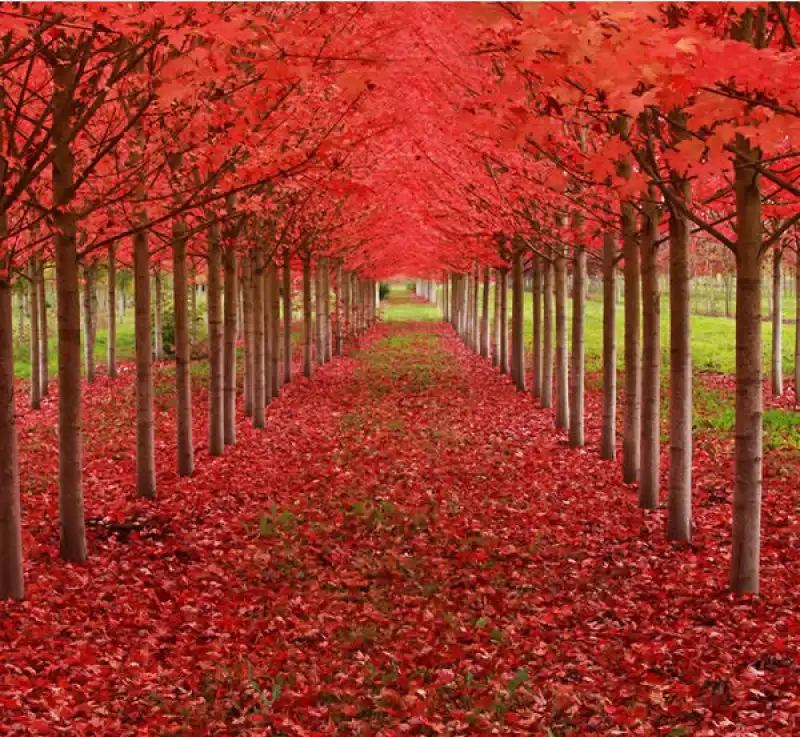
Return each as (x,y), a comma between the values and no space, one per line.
(713,338)
(713,347)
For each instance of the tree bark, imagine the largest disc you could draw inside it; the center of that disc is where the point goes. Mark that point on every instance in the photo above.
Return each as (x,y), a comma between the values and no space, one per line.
(273,310)
(633,377)
(308,329)
(111,345)
(229,358)
(145,440)
(247,319)
(468,321)
(744,576)
(319,310)
(193,306)
(679,505)
(476,315)
(562,343)
(337,342)
(577,381)
(270,346)
(797,327)
(20,313)
(608,435)
(88,323)
(536,388)
(504,358)
(547,331)
(73,531)
(777,323)
(158,338)
(259,388)
(287,318)
(12,583)
(496,319)
(183,351)
(44,347)
(33,275)
(485,314)
(517,320)
(356,296)
(327,349)
(651,361)
(216,436)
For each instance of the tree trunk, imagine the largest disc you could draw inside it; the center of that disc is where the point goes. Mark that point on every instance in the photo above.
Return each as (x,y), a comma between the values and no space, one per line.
(536,389)
(651,361)
(158,337)
(44,347)
(777,323)
(337,335)
(73,531)
(33,274)
(270,347)
(633,377)
(562,343)
(247,319)
(12,583)
(326,310)
(504,358)
(797,327)
(476,315)
(547,348)
(346,308)
(608,435)
(229,354)
(517,320)
(468,322)
(287,318)
(183,351)
(111,345)
(259,388)
(308,328)
(319,310)
(145,441)
(679,506)
(193,306)
(576,404)
(355,291)
(88,323)
(20,313)
(216,435)
(496,319)
(273,310)
(485,314)
(744,577)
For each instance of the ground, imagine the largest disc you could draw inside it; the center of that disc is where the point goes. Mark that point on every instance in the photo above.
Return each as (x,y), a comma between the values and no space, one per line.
(408,548)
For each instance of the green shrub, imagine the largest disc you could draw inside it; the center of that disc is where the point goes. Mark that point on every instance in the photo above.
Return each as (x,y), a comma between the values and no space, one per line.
(383,290)
(168,325)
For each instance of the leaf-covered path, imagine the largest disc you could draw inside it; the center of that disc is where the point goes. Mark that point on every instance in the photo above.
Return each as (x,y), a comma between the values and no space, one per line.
(408,549)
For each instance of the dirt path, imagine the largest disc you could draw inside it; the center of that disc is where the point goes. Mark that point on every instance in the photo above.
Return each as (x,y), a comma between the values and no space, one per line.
(409,549)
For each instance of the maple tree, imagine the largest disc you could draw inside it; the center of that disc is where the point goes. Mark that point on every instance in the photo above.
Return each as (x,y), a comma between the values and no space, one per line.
(290,156)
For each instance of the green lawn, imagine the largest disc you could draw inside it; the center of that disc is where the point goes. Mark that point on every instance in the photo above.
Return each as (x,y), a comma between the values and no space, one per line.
(125,344)
(713,338)
(713,348)
(397,308)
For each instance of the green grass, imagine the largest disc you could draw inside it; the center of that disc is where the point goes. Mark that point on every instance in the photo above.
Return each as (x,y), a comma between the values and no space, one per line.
(397,308)
(126,345)
(713,338)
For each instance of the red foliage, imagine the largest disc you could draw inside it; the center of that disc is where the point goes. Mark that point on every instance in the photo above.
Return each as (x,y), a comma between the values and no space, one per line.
(408,549)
